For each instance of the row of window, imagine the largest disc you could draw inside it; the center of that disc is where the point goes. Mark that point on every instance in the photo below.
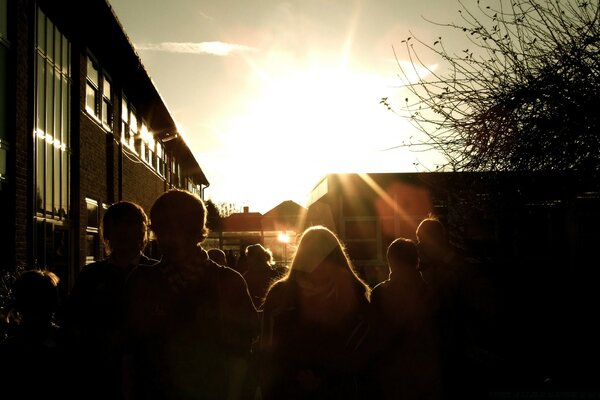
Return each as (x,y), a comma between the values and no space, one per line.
(134,132)
(52,120)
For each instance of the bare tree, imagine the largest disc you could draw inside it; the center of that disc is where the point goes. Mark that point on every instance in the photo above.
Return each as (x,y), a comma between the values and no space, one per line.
(226,209)
(525,95)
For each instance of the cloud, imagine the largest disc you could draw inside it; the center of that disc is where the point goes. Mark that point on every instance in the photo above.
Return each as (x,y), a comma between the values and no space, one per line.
(213,48)
(206,16)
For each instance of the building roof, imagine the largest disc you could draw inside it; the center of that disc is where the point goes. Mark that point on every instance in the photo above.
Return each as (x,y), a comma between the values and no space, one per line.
(243,222)
(98,27)
(287,216)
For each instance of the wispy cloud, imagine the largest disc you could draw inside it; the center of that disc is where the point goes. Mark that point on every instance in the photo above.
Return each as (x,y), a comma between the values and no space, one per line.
(205,16)
(213,48)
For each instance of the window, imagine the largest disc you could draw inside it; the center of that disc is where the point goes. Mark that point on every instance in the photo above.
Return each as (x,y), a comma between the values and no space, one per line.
(4,46)
(124,121)
(175,173)
(129,126)
(107,108)
(160,159)
(133,128)
(102,249)
(92,231)
(98,95)
(91,90)
(148,145)
(52,127)
(136,136)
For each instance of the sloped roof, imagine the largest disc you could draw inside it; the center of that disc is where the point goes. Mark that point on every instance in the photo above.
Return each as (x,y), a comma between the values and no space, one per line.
(242,222)
(287,216)
(106,38)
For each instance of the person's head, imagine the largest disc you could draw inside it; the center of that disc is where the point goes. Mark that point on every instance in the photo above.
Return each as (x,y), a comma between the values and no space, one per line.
(431,237)
(321,262)
(36,295)
(178,219)
(218,256)
(402,254)
(124,230)
(257,255)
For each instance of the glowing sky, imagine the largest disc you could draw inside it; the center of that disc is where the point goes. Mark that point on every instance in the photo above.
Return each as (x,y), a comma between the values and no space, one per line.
(271,95)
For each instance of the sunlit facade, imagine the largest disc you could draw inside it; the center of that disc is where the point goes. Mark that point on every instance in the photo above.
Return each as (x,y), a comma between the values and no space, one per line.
(81,127)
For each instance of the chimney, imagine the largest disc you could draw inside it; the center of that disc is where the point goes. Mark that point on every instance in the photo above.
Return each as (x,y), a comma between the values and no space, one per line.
(246,209)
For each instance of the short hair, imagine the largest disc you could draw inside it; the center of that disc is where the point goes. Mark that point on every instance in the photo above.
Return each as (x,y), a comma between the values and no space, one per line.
(36,292)
(257,253)
(431,229)
(218,256)
(402,251)
(122,212)
(181,210)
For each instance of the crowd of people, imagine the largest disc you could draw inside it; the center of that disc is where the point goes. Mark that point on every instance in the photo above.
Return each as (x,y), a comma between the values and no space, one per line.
(187,326)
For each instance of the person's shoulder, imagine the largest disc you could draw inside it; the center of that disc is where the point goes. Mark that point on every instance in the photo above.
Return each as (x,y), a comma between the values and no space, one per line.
(147,261)
(145,272)
(92,272)
(380,291)
(276,295)
(94,267)
(379,288)
(222,270)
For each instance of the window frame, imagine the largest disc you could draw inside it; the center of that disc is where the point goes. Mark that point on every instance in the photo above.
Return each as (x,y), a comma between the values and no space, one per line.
(92,231)
(102,109)
(52,111)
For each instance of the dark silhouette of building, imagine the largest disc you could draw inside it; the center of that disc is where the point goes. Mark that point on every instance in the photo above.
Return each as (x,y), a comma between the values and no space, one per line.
(529,239)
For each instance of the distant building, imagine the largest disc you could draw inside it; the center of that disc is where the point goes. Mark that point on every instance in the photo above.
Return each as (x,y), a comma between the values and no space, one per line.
(282,227)
(81,126)
(277,230)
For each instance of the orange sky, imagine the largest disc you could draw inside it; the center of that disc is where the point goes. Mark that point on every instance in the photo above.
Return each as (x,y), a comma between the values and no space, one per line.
(272,95)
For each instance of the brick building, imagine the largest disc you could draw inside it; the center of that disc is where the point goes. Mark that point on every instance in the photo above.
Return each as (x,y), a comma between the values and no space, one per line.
(81,126)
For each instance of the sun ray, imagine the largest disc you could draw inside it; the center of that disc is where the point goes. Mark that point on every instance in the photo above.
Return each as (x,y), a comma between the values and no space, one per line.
(349,42)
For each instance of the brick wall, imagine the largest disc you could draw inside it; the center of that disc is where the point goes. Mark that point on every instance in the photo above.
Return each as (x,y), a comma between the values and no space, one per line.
(140,184)
(23,110)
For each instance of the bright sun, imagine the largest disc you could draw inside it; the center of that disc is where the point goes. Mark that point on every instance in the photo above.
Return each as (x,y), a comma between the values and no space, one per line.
(311,122)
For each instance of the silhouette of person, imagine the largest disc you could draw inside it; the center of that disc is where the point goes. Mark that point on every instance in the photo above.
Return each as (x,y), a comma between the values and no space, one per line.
(408,363)
(218,256)
(241,264)
(315,323)
(94,315)
(439,261)
(32,359)
(260,273)
(464,306)
(192,322)
(441,267)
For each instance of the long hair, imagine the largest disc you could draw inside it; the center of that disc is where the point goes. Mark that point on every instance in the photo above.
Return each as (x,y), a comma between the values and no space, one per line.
(317,245)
